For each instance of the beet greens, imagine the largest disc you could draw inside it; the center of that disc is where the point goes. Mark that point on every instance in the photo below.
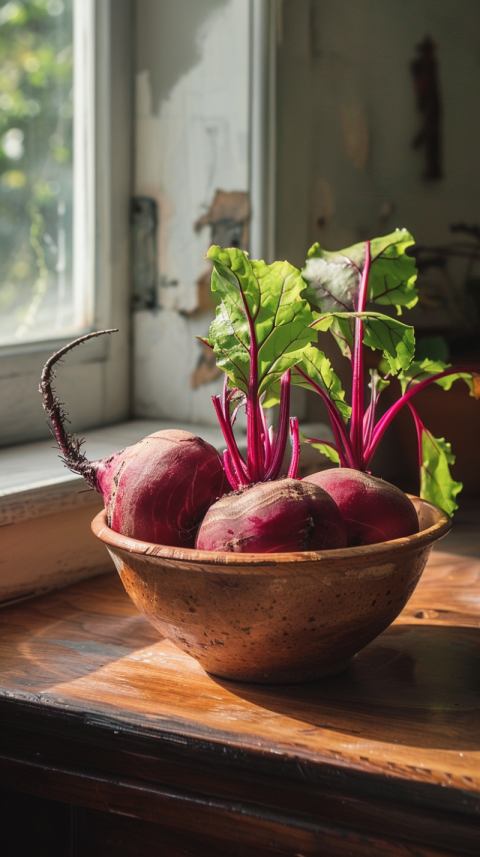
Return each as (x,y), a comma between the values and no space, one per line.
(264,336)
(260,331)
(341,287)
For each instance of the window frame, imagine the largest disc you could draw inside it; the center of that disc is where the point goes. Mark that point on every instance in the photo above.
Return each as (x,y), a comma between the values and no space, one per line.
(265,26)
(52,504)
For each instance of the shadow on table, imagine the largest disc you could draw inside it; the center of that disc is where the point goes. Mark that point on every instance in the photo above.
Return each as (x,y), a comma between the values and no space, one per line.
(415,685)
(67,634)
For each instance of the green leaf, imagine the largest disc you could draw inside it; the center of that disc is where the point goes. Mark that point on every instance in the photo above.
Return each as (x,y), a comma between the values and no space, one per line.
(327,450)
(341,327)
(272,396)
(335,277)
(343,331)
(230,340)
(377,382)
(436,482)
(319,369)
(421,370)
(393,273)
(323,448)
(395,339)
(233,277)
(268,296)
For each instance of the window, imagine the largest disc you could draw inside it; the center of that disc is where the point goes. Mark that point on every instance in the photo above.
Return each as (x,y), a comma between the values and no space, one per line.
(36,211)
(65,81)
(213,132)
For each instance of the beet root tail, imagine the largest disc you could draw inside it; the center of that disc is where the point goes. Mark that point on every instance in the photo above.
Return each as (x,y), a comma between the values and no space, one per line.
(57,417)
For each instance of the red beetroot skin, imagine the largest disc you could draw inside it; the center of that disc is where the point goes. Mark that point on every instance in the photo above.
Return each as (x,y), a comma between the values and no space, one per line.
(373,510)
(284,515)
(156,491)
(159,490)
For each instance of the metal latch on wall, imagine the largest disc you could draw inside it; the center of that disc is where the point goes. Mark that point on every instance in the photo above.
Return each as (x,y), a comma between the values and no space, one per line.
(144,252)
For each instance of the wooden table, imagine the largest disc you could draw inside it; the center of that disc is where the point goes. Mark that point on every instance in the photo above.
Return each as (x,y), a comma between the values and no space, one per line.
(113,742)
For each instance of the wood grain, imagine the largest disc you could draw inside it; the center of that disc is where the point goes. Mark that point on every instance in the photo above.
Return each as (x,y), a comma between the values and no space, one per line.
(97,710)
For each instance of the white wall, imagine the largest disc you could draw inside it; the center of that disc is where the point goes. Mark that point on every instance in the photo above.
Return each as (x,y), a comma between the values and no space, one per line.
(192,138)
(346,119)
(347,116)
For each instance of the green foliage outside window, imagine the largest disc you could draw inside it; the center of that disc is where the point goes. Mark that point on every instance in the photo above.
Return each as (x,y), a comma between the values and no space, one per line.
(36,123)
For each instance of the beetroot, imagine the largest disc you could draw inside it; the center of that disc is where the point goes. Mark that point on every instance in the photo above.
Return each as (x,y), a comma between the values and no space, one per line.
(285,515)
(161,487)
(157,490)
(373,510)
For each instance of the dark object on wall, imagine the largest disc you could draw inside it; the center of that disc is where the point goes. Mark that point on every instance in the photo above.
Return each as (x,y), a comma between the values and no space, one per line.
(456,286)
(425,77)
(144,252)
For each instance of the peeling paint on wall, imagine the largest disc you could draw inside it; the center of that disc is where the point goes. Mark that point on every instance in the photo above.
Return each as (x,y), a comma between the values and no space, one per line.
(228,216)
(207,369)
(195,139)
(228,219)
(192,156)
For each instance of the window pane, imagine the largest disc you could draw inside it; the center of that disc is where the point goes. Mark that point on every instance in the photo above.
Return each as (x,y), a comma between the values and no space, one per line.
(36,124)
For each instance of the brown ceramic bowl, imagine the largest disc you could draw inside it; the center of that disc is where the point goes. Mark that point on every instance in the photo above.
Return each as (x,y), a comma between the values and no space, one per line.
(268,618)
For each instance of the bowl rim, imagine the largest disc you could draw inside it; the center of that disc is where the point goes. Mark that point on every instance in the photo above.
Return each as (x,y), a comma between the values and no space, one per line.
(404,545)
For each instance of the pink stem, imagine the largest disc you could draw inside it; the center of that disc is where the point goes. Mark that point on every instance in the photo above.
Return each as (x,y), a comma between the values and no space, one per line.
(385,421)
(266,438)
(236,458)
(225,403)
(292,470)
(367,419)
(254,440)
(282,431)
(228,470)
(369,416)
(271,437)
(420,428)
(356,423)
(341,436)
(347,457)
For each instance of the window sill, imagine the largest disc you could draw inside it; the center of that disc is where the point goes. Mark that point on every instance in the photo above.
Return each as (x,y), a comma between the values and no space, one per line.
(45,511)
(34,482)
